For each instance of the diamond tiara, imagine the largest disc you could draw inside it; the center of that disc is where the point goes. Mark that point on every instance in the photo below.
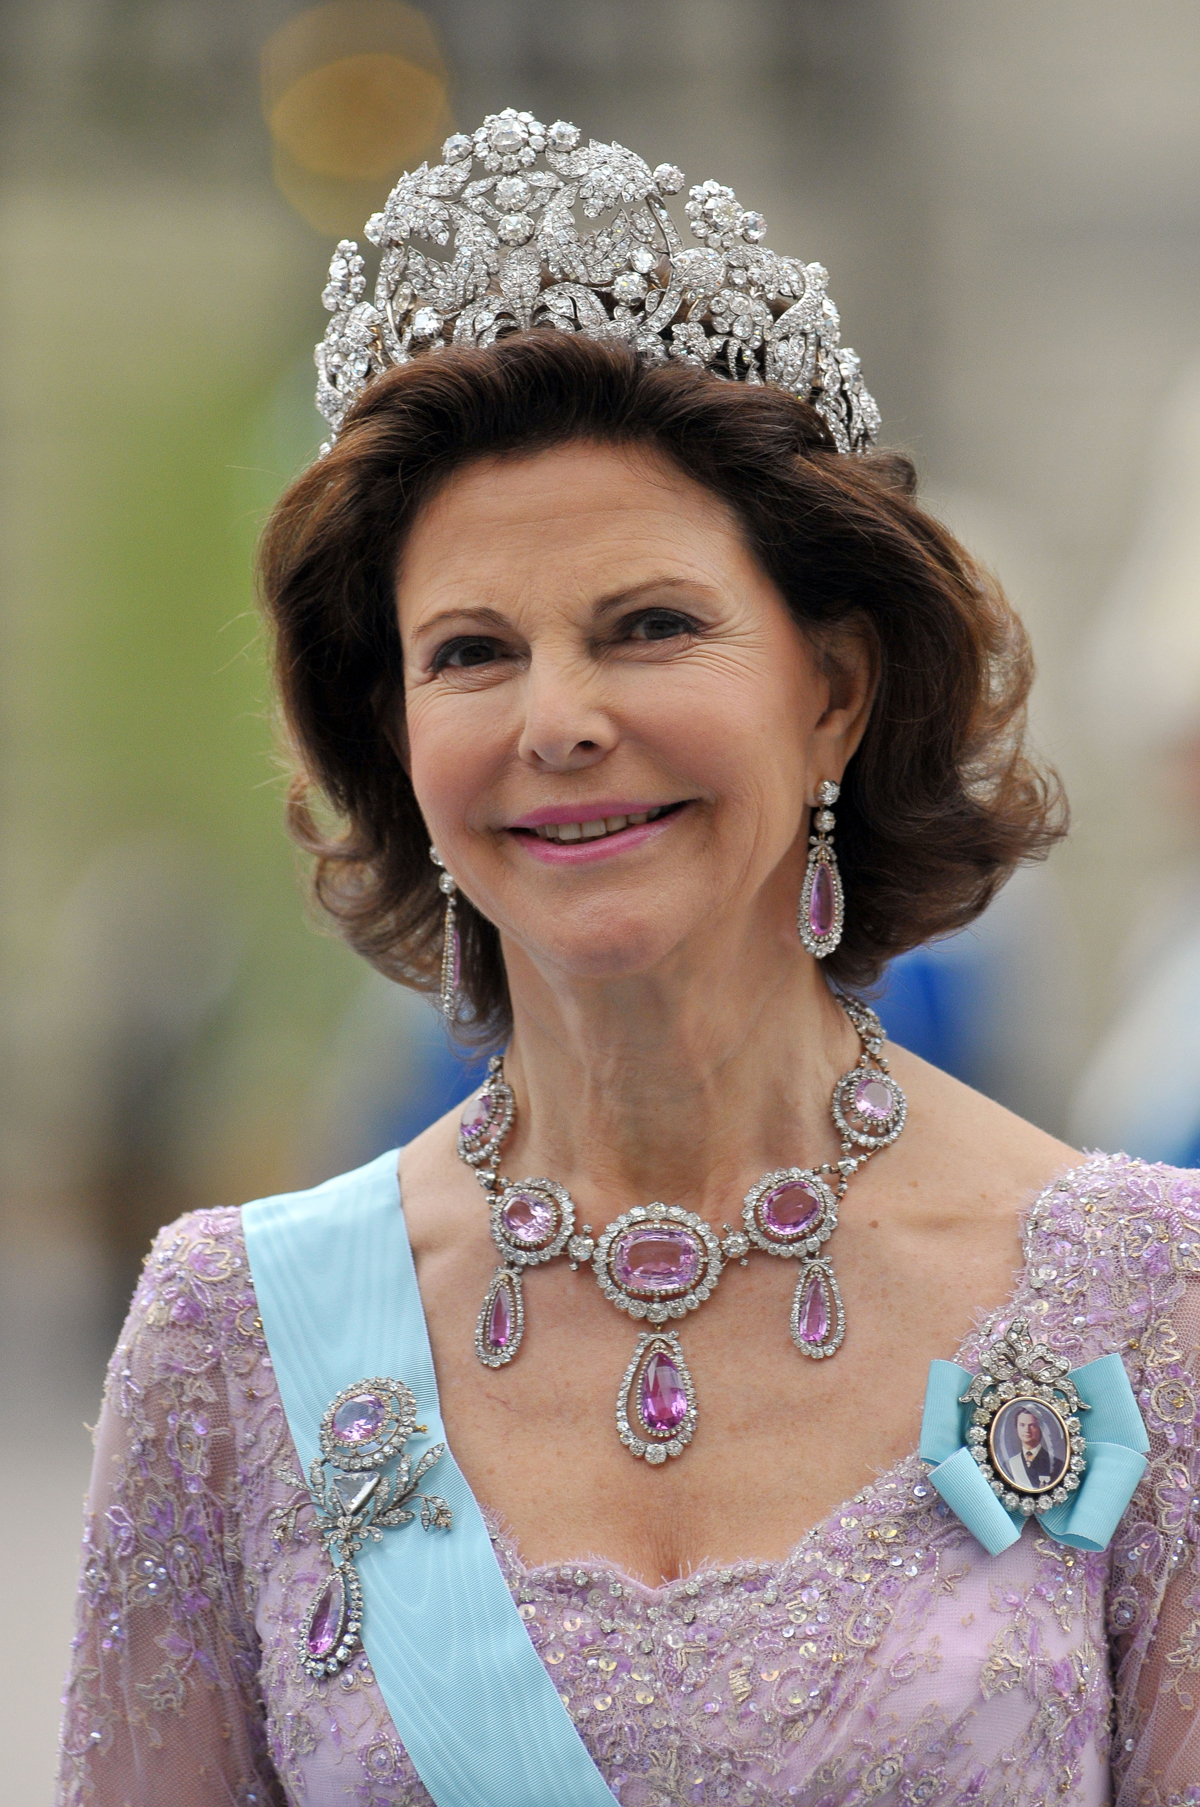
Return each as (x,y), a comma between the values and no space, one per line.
(501,207)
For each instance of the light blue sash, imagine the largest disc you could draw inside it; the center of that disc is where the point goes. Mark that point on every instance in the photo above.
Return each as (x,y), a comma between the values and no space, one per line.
(468,1694)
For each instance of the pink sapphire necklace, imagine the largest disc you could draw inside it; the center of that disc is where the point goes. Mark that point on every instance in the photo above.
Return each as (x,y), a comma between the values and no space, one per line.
(659,1263)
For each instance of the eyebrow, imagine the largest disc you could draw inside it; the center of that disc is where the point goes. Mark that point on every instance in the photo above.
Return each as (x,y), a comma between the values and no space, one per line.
(477,612)
(606,605)
(618,598)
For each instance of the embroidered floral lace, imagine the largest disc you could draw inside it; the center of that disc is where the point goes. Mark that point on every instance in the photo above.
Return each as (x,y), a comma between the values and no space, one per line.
(888,1659)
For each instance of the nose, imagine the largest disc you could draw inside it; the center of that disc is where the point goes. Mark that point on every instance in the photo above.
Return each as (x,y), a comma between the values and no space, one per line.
(566,726)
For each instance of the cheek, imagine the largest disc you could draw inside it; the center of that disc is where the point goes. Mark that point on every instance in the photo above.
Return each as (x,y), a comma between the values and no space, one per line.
(742,733)
(451,755)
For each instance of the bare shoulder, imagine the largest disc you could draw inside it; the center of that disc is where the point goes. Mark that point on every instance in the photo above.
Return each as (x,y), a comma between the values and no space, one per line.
(969,1150)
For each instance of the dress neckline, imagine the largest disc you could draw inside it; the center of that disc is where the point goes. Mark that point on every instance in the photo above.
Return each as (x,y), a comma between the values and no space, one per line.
(899,1480)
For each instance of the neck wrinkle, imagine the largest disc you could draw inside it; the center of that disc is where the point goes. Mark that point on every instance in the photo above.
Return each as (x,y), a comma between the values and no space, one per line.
(685,1099)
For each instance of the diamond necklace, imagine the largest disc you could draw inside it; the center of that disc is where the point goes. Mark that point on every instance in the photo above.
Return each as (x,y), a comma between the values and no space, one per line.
(659,1262)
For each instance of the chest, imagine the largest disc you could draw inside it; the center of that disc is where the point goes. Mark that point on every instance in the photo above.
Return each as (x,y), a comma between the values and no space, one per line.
(779,1439)
(886,1658)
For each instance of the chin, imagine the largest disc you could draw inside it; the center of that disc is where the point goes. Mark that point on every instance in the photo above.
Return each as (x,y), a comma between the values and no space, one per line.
(608,949)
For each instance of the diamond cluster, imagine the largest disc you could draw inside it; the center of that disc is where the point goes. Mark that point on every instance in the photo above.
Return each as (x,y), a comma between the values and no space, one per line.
(689,1257)
(490,241)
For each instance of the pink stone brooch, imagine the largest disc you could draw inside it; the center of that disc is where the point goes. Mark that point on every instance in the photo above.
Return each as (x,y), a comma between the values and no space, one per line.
(363,1431)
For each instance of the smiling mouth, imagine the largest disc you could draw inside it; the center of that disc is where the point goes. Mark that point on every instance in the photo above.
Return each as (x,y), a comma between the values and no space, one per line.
(601,828)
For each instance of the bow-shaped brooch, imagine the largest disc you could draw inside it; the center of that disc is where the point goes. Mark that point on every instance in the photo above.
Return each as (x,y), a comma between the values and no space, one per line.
(364,1429)
(1007,1444)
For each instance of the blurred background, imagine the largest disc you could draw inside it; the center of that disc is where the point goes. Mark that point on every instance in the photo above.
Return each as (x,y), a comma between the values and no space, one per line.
(1007,197)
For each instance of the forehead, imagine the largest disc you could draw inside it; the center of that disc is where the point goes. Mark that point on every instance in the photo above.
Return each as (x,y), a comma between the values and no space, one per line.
(580,513)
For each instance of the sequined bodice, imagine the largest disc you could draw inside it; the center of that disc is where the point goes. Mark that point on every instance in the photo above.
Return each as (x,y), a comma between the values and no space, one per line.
(886,1659)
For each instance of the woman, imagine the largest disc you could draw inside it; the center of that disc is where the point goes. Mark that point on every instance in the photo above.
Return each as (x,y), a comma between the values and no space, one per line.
(606,662)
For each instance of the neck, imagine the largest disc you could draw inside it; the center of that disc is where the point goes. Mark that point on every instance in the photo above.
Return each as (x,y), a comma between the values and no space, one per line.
(679,1086)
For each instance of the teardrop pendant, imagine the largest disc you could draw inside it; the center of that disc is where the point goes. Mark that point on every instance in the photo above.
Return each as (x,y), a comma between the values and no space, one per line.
(818,1321)
(501,1322)
(822,909)
(656,1406)
(329,1635)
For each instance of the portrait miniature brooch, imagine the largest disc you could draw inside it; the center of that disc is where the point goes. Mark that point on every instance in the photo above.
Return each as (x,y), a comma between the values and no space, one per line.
(1007,1443)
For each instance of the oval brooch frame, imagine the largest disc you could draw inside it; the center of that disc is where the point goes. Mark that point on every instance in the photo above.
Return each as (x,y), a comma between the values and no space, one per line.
(1024,1379)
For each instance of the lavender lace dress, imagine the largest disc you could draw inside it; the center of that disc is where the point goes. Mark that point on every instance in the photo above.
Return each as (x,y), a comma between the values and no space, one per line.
(887,1659)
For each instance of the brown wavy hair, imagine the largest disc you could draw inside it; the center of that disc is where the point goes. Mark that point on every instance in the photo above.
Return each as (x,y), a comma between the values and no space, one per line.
(939,803)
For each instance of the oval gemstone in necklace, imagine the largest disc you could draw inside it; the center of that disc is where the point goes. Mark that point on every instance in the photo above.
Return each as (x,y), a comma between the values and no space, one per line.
(869,1108)
(528,1219)
(656,1262)
(873,1098)
(789,1210)
(476,1114)
(532,1221)
(486,1118)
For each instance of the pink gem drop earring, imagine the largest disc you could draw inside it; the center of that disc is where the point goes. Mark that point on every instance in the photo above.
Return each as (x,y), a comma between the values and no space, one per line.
(450,995)
(822,904)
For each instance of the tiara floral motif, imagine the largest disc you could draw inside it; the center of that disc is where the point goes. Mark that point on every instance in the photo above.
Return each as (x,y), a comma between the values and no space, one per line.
(502,208)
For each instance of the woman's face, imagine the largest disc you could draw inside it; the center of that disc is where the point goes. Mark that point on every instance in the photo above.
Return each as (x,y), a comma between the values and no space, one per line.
(613,726)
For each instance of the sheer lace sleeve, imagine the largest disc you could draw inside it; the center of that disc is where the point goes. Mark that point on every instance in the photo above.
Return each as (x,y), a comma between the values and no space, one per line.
(162,1702)
(1154,1598)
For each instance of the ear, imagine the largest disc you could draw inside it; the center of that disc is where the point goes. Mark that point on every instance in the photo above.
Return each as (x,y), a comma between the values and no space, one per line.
(850,662)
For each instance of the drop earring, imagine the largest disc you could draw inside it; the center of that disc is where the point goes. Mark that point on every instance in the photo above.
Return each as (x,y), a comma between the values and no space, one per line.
(822,909)
(450,997)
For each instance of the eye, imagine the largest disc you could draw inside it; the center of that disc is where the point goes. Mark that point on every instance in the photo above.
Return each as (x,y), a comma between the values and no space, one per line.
(661,624)
(466,653)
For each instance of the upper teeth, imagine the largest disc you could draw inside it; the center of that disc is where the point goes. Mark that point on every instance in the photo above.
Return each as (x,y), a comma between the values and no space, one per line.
(591,831)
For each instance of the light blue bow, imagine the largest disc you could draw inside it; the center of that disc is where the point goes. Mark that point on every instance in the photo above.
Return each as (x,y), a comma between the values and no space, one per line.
(1117,1446)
